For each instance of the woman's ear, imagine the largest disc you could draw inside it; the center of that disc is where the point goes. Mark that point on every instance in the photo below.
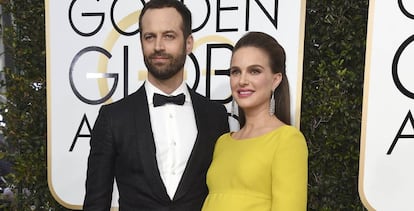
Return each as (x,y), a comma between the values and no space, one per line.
(277,79)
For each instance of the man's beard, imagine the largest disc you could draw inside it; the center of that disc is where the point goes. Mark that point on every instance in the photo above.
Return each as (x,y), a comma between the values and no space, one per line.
(168,70)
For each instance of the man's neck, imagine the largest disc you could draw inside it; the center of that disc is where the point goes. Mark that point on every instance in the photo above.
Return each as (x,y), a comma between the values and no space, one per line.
(168,86)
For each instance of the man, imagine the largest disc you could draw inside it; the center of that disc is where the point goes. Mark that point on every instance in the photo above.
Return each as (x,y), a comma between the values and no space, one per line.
(157,152)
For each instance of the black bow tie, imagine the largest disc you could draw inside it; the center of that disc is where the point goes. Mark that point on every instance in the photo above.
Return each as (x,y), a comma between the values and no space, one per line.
(160,100)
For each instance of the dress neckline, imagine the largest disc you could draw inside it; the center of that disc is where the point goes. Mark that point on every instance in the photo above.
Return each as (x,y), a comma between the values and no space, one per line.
(260,137)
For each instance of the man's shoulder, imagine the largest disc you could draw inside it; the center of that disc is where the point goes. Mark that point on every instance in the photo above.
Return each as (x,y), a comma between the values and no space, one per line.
(127,101)
(198,98)
(210,108)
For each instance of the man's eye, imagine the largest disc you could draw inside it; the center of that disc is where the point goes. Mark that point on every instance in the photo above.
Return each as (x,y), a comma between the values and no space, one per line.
(169,36)
(148,37)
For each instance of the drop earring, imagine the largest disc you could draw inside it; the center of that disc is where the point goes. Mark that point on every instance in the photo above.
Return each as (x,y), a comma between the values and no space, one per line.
(272,104)
(233,108)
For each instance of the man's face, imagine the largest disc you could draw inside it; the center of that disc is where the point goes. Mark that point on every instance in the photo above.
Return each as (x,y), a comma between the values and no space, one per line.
(163,43)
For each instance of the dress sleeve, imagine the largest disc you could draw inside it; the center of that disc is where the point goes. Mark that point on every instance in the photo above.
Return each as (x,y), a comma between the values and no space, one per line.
(290,173)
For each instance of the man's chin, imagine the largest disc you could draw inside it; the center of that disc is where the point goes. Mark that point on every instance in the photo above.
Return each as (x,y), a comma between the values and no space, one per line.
(162,75)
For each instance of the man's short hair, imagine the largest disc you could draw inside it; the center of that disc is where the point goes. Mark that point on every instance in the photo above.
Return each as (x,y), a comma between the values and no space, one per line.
(178,5)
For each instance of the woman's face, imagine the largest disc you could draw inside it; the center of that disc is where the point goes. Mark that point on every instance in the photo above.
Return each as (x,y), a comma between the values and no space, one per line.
(251,79)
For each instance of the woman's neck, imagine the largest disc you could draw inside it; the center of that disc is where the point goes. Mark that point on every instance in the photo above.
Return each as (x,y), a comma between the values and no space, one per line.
(257,124)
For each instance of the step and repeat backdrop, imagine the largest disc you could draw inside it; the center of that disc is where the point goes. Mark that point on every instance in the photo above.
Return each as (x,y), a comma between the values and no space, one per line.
(94,58)
(386,178)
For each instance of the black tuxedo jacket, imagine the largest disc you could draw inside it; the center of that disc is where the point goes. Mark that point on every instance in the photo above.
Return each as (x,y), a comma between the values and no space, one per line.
(122,147)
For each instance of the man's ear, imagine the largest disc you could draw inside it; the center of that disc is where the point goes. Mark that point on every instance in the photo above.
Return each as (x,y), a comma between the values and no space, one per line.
(189,44)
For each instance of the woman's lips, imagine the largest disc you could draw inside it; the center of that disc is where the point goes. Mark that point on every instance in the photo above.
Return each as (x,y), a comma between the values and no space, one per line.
(244,93)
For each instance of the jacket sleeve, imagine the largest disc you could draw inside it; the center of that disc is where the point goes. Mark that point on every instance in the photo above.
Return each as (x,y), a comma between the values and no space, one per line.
(100,170)
(224,120)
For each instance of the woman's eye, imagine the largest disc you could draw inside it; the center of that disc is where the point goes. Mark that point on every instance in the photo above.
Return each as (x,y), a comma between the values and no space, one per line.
(234,72)
(255,71)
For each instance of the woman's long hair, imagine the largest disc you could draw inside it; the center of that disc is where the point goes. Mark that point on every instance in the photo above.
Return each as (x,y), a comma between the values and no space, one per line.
(277,58)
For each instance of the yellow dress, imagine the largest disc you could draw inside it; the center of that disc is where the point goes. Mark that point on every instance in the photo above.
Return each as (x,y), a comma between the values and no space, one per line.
(268,172)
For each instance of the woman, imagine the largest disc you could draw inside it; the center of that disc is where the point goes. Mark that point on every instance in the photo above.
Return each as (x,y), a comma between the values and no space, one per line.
(263,166)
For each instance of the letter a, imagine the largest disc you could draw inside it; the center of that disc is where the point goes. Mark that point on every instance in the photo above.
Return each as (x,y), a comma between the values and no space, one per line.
(399,135)
(78,135)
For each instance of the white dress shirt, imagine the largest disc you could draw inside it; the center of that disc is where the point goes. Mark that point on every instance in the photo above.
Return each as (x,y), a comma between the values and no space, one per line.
(175,131)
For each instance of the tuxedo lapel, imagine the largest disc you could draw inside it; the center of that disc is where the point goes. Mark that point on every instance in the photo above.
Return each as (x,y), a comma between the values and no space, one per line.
(146,145)
(198,154)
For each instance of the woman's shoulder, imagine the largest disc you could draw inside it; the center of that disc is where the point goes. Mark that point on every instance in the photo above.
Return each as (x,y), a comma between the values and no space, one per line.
(287,129)
(225,136)
(290,135)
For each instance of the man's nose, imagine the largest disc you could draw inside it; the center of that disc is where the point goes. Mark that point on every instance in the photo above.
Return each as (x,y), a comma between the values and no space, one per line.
(159,44)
